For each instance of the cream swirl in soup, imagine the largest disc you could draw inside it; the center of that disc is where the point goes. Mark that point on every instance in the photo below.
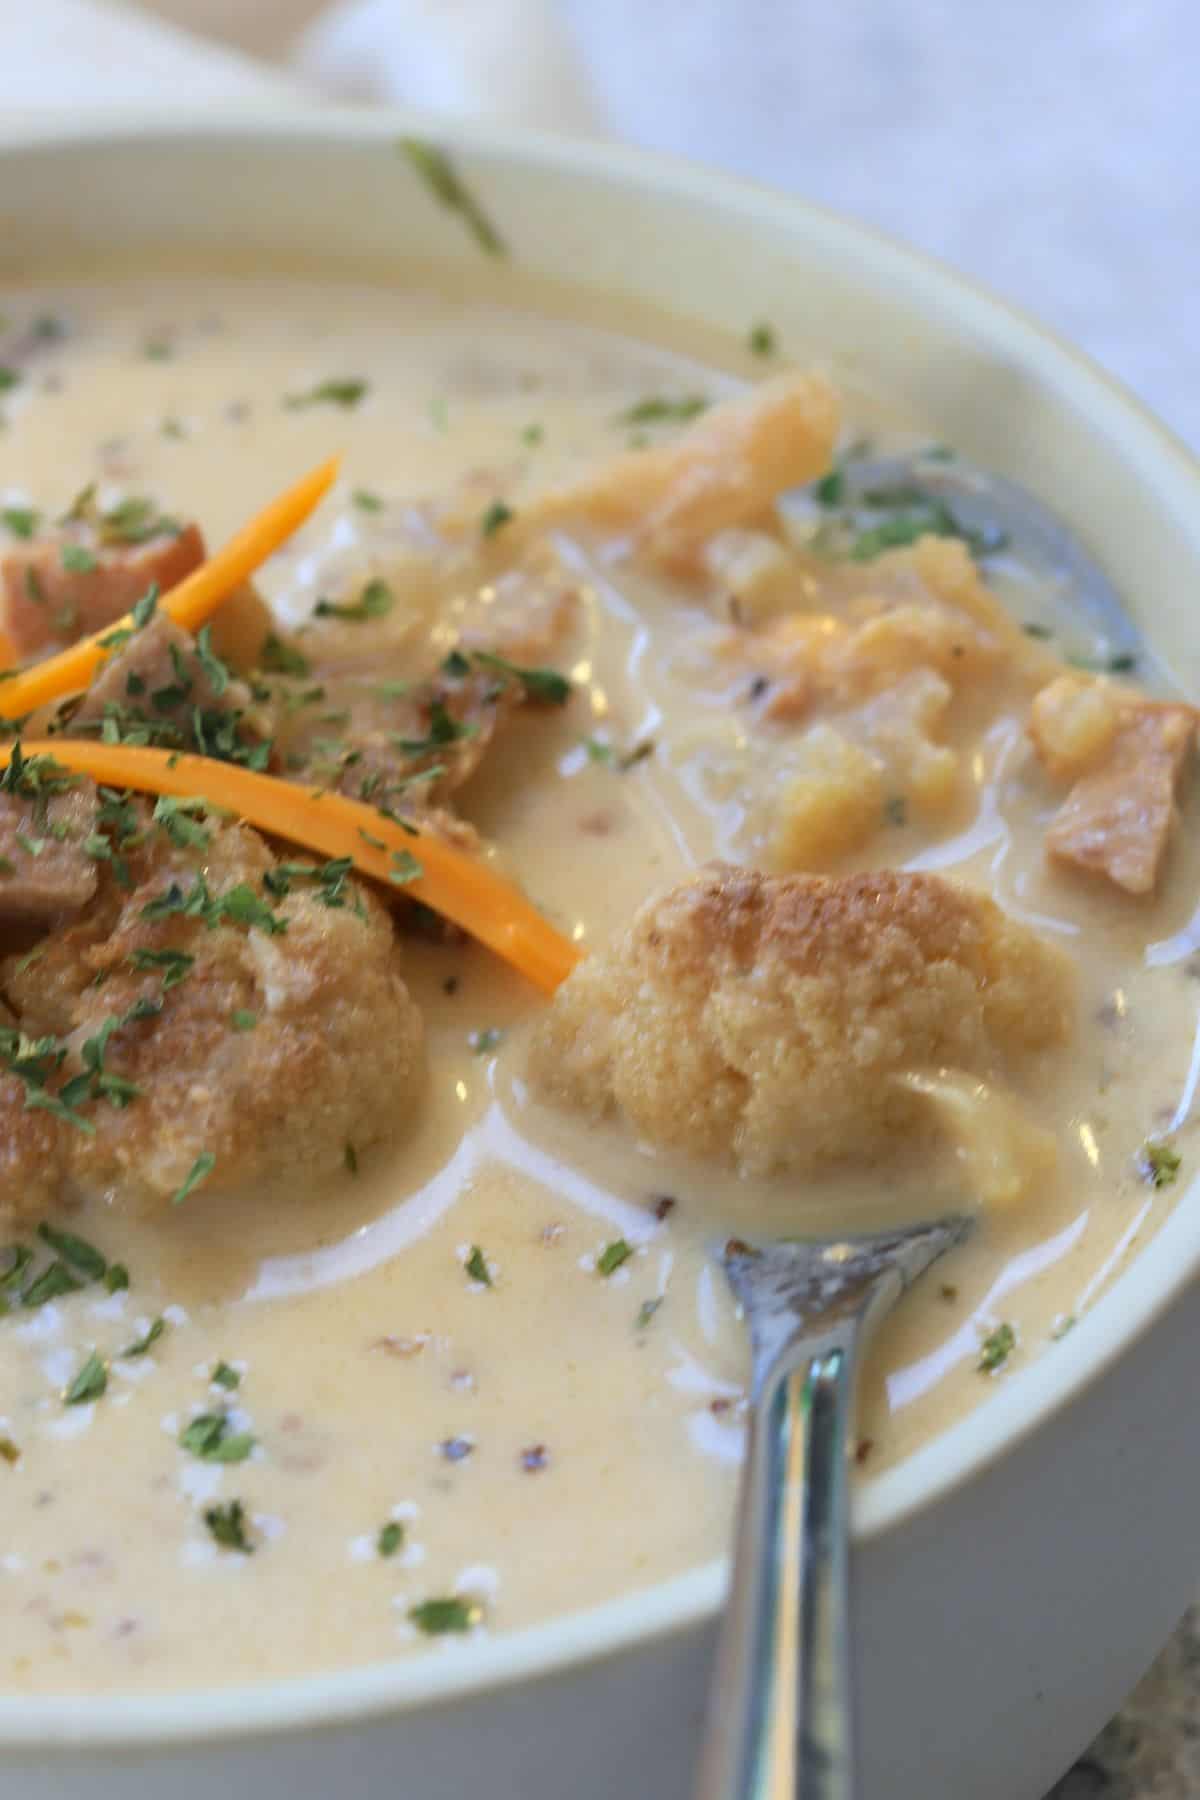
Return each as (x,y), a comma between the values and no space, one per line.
(356,1296)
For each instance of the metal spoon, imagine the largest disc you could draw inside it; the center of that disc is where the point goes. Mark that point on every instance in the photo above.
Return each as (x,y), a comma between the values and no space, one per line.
(781,1717)
(996,516)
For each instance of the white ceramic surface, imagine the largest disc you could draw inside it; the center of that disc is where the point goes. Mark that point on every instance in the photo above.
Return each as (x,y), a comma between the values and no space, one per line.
(1013,1578)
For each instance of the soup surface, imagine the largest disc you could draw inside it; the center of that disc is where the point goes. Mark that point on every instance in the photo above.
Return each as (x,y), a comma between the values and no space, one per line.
(483,1371)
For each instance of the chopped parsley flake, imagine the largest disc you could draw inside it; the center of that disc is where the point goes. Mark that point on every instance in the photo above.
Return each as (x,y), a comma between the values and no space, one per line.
(477,1268)
(9,1452)
(243,1020)
(404,868)
(116,1277)
(77,560)
(996,1349)
(228,1527)
(89,1384)
(281,658)
(51,1284)
(613,1255)
(661,409)
(210,1438)
(223,1376)
(1161,1163)
(8,378)
(148,1339)
(343,391)
(22,521)
(200,1170)
(175,965)
(448,188)
(75,1250)
(532,435)
(390,1539)
(449,1614)
(762,340)
(646,1312)
(539,684)
(375,601)
(496,516)
(366,501)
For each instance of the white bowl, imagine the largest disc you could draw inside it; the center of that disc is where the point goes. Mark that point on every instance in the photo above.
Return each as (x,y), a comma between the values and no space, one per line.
(1015,1576)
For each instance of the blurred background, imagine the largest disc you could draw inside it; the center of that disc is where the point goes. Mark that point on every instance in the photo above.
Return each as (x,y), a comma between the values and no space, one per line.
(1049,147)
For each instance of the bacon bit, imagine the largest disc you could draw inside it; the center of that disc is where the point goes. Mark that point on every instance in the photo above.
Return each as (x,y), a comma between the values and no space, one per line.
(1117,819)
(664,1206)
(534,1459)
(403,1346)
(863,1449)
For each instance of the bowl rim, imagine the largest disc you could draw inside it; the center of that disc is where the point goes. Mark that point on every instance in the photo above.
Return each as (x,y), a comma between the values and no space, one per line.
(1156,1278)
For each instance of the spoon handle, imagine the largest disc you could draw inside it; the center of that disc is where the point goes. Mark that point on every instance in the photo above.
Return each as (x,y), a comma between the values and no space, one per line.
(780,1721)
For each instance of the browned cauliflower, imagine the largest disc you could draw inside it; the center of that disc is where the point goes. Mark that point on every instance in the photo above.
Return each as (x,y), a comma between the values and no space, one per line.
(213,1009)
(763,1019)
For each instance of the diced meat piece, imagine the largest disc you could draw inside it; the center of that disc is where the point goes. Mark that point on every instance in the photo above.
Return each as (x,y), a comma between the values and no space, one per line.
(262,1028)
(764,1020)
(46,873)
(158,688)
(726,469)
(1072,723)
(46,603)
(1117,819)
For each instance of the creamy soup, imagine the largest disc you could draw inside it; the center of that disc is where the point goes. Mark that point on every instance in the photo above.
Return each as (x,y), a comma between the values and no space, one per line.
(481,1369)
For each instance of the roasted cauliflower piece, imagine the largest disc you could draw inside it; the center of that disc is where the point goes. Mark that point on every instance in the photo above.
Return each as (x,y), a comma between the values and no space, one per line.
(223,1012)
(767,1020)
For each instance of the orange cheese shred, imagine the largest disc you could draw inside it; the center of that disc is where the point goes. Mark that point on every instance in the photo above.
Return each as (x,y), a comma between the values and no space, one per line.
(459,886)
(194,600)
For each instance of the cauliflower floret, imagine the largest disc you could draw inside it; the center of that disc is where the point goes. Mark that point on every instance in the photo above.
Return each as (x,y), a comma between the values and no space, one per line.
(1072,722)
(261,1023)
(830,800)
(763,1019)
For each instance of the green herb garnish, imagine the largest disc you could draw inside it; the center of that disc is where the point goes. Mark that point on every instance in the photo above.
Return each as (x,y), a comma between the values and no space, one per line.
(281,658)
(366,501)
(228,1526)
(148,1339)
(210,1438)
(344,391)
(496,516)
(22,521)
(89,1384)
(613,1255)
(200,1170)
(1161,1162)
(539,684)
(661,409)
(375,601)
(223,1376)
(448,188)
(450,1614)
(996,1349)
(404,868)
(762,340)
(646,1312)
(476,1266)
(490,1038)
(74,1250)
(243,1020)
(77,560)
(390,1538)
